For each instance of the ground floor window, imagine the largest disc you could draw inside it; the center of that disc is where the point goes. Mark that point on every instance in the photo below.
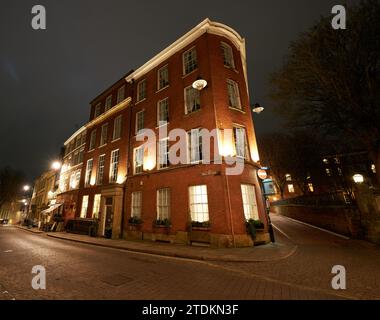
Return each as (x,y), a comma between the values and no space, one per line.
(96,207)
(136,204)
(198,202)
(163,204)
(83,212)
(249,202)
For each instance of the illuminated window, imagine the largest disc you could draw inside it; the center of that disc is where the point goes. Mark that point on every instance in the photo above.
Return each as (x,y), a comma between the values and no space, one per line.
(138,160)
(233,94)
(311,187)
(141,90)
(240,140)
(103,135)
(291,188)
(228,57)
(163,77)
(120,94)
(100,174)
(117,127)
(108,103)
(163,204)
(162,112)
(136,204)
(83,212)
(92,140)
(190,62)
(328,172)
(198,202)
(249,202)
(195,146)
(340,172)
(89,167)
(139,121)
(114,166)
(192,100)
(373,168)
(96,206)
(325,161)
(288,177)
(163,153)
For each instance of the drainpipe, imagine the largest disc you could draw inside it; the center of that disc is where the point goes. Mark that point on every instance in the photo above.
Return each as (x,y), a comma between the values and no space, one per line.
(230,211)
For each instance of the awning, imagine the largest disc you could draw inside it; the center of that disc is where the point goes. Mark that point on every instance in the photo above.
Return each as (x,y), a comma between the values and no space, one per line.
(52,208)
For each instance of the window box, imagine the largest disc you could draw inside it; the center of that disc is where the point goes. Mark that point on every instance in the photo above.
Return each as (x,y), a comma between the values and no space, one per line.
(162,223)
(254,227)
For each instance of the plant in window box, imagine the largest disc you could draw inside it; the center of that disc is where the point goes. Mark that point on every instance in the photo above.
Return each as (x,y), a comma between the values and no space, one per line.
(163,223)
(135,220)
(253,226)
(205,225)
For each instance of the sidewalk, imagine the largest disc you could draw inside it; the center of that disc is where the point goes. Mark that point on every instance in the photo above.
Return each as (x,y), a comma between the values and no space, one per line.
(265,253)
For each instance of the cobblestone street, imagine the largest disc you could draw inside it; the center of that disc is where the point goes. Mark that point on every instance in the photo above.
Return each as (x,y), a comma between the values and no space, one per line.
(80,271)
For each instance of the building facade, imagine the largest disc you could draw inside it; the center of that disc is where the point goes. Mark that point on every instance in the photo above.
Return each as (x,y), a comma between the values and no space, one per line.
(197,85)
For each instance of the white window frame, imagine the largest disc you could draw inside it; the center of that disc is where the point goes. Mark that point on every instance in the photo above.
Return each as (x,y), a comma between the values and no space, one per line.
(103,135)
(160,78)
(291,188)
(136,204)
(141,90)
(237,142)
(161,154)
(120,94)
(194,146)
(87,180)
(163,203)
(233,95)
(248,194)
(108,103)
(96,206)
(193,97)
(228,55)
(100,171)
(138,169)
(193,61)
(162,105)
(198,203)
(84,207)
(139,121)
(114,165)
(117,126)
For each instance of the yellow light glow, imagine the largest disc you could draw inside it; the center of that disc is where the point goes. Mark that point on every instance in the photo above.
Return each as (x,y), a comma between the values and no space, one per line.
(149,163)
(120,179)
(92,181)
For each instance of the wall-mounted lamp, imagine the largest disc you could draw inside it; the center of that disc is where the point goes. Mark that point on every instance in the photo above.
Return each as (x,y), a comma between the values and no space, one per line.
(257,108)
(199,84)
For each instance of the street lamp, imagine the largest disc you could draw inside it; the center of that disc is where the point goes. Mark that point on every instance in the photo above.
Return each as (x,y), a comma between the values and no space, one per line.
(358,178)
(56,165)
(257,108)
(26,188)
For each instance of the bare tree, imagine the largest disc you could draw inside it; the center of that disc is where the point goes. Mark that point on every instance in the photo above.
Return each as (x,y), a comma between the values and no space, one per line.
(10,184)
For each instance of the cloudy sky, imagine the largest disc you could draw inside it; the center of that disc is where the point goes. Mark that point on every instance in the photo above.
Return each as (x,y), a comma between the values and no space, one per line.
(48,78)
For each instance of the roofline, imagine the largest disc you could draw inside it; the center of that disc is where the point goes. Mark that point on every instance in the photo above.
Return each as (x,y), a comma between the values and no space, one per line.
(205,26)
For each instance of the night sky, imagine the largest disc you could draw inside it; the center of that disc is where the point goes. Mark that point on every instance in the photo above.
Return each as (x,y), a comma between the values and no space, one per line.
(48,78)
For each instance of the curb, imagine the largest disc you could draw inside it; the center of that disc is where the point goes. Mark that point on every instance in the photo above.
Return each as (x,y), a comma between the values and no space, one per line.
(176,254)
(29,230)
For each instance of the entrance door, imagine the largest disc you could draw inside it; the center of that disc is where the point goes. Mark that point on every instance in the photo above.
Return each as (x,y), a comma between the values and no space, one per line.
(108,218)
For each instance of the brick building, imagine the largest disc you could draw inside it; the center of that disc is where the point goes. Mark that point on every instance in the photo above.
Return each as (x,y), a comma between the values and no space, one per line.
(137,194)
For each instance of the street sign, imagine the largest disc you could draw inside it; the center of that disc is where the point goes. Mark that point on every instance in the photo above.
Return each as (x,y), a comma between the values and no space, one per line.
(262,174)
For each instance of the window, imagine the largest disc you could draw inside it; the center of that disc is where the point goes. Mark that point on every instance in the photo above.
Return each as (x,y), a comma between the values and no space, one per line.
(228,57)
(117,127)
(108,104)
(83,138)
(83,211)
(190,61)
(233,94)
(195,146)
(192,100)
(90,164)
(98,110)
(103,135)
(198,202)
(77,142)
(288,177)
(163,153)
(72,181)
(76,158)
(373,168)
(240,139)
(114,165)
(141,90)
(291,188)
(249,202)
(163,204)
(120,94)
(163,77)
(96,206)
(139,160)
(136,204)
(80,157)
(92,140)
(311,187)
(100,174)
(139,121)
(162,112)
(328,172)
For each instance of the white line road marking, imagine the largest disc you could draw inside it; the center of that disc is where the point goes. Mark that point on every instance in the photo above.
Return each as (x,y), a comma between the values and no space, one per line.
(279,230)
(7,251)
(321,229)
